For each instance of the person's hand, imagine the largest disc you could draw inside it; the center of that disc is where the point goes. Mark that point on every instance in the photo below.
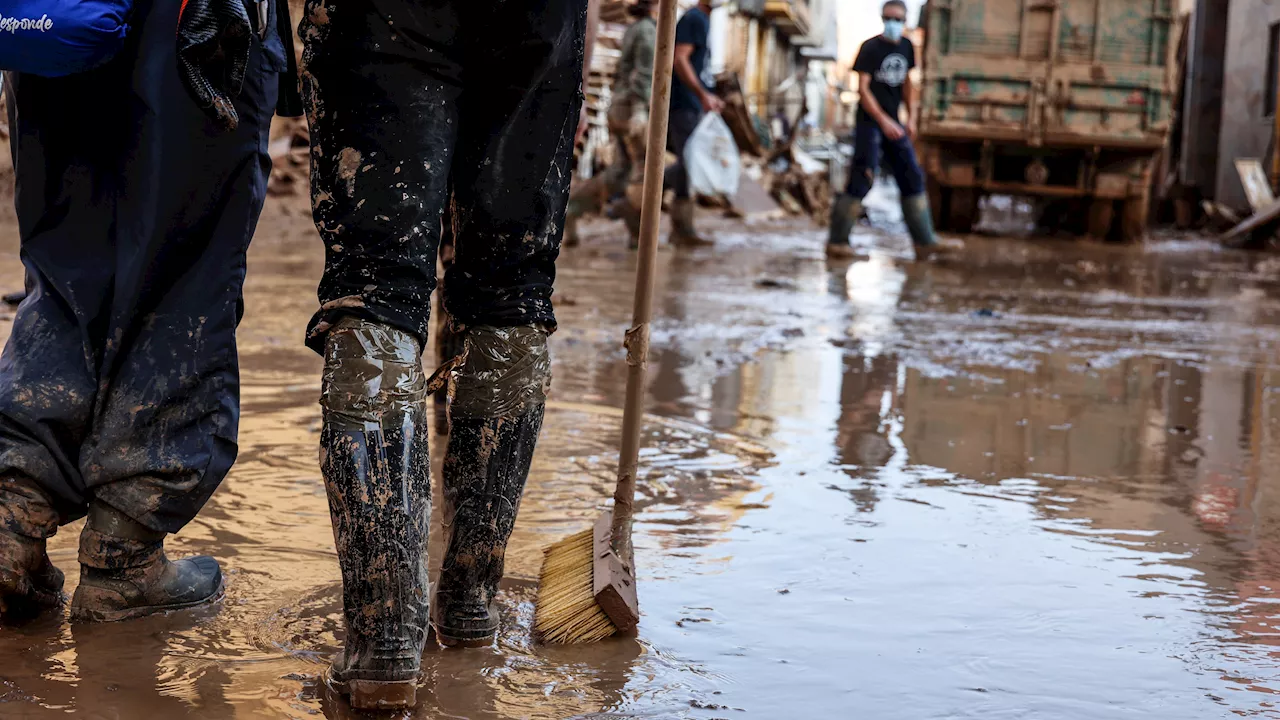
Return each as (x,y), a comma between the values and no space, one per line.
(913,129)
(893,131)
(711,103)
(584,123)
(214,39)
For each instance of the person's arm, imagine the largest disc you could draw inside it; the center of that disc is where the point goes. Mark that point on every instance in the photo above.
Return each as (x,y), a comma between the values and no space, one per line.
(642,63)
(867,100)
(593,24)
(908,101)
(684,71)
(909,93)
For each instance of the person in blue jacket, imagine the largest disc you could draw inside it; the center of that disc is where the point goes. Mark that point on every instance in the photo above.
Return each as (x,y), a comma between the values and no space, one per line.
(139,183)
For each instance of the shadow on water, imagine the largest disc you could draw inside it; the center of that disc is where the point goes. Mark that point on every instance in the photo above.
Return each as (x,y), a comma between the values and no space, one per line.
(1038,484)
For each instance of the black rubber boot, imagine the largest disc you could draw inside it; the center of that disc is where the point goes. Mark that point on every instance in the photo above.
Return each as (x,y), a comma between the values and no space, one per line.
(377,472)
(448,346)
(844,215)
(683,233)
(29,582)
(497,413)
(124,573)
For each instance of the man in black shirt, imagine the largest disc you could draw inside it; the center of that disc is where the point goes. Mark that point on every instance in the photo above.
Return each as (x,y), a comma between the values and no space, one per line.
(883,65)
(690,98)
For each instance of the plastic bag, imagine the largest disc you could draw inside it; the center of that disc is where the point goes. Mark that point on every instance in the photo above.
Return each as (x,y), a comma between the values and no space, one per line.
(60,37)
(711,157)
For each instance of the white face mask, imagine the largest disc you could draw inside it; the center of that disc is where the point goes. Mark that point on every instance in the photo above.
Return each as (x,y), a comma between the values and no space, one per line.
(893,29)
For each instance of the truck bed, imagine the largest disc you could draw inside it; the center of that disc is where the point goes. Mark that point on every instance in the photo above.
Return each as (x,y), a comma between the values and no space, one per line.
(1050,72)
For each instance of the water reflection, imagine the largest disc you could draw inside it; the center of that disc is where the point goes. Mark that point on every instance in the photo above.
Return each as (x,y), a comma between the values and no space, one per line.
(1170,459)
(1039,485)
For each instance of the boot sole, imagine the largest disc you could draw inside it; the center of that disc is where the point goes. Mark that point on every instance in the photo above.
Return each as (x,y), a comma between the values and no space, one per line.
(472,639)
(107,616)
(376,694)
(470,642)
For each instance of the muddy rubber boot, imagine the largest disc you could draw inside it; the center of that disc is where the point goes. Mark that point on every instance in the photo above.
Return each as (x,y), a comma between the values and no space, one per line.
(683,233)
(919,221)
(29,582)
(630,215)
(497,412)
(844,215)
(377,473)
(124,573)
(590,198)
(915,213)
(627,209)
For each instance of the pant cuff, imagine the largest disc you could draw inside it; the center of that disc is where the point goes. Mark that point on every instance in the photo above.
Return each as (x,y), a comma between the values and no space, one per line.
(107,552)
(25,510)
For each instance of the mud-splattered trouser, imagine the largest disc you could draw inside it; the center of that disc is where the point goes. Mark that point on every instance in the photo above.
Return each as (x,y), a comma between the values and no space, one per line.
(419,104)
(629,126)
(680,128)
(870,147)
(119,381)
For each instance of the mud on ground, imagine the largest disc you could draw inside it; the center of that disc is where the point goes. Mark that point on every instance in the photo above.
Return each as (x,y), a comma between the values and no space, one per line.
(1037,483)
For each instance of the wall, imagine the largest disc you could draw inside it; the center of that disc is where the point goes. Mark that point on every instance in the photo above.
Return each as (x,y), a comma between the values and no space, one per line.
(1245,131)
(1202,101)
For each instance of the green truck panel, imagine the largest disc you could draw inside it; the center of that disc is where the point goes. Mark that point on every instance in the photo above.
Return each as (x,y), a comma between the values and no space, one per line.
(1050,98)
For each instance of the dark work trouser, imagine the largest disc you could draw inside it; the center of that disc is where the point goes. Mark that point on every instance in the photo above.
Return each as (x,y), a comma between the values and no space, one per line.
(416,104)
(870,146)
(680,128)
(120,381)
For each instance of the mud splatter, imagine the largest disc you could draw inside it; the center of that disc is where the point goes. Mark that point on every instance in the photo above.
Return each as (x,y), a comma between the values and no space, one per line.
(348,164)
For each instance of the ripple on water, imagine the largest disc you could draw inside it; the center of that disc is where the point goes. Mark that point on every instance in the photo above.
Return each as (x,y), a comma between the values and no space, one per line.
(263,648)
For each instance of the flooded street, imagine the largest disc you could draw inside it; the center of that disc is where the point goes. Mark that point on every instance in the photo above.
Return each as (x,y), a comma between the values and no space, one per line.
(1041,483)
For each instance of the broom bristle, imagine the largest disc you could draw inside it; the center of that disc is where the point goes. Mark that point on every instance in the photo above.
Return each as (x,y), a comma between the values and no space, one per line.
(567,611)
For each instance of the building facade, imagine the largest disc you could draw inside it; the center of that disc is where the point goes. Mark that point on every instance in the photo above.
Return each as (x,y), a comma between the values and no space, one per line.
(1249,85)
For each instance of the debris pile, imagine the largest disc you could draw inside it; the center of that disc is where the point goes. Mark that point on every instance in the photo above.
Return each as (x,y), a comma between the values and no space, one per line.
(801,185)
(595,151)
(290,160)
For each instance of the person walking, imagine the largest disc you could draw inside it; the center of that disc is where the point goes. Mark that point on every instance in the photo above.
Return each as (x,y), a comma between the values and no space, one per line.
(628,120)
(139,184)
(691,97)
(416,106)
(883,66)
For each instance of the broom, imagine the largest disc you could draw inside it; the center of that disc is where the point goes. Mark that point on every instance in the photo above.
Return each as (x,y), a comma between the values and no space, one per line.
(588,583)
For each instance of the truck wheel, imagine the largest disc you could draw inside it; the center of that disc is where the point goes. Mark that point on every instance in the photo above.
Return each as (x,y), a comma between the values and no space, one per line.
(1101,214)
(1052,216)
(937,202)
(1133,219)
(963,213)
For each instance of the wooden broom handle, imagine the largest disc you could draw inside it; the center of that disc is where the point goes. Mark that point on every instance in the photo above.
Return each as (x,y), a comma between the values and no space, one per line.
(637,341)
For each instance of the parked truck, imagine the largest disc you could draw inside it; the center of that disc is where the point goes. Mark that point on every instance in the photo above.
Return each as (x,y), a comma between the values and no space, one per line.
(1068,102)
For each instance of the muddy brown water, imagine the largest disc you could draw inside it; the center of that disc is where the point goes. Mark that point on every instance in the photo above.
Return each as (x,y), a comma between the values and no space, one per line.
(1041,484)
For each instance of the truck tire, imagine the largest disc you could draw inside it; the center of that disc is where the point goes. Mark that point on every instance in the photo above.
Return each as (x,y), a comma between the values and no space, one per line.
(962,214)
(937,202)
(1102,214)
(1133,218)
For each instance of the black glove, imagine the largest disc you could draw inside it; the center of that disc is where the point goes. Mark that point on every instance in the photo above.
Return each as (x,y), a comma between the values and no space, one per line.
(214,38)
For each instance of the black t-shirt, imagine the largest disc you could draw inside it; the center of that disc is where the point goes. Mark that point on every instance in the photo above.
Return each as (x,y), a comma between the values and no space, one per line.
(693,29)
(887,63)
